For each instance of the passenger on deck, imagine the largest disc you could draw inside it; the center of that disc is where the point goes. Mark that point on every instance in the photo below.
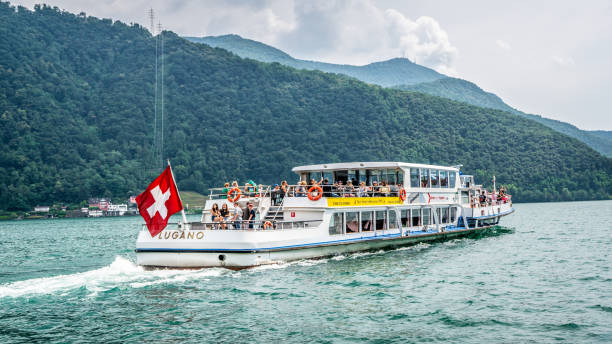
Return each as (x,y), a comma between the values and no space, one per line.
(251,218)
(363,190)
(339,189)
(237,216)
(482,199)
(394,189)
(225,190)
(234,184)
(215,214)
(247,189)
(300,190)
(275,194)
(384,189)
(327,188)
(349,191)
(224,215)
(284,187)
(375,189)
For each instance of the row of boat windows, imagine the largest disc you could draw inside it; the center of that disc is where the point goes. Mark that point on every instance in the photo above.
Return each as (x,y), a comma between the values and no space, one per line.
(366,221)
(419,177)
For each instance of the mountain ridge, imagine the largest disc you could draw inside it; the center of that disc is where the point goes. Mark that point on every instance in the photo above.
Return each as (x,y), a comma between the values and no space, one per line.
(383,73)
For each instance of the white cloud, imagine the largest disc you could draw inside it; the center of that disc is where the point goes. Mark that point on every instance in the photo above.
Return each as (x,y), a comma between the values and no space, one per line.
(563,61)
(503,45)
(338,31)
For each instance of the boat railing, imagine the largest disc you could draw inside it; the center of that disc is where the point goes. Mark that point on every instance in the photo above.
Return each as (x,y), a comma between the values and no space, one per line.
(245,191)
(333,190)
(246,225)
(492,200)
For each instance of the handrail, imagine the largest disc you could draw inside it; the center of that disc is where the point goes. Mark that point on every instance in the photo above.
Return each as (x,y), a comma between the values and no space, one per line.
(258,225)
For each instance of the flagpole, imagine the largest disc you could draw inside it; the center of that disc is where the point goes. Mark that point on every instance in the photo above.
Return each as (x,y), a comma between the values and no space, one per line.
(179,195)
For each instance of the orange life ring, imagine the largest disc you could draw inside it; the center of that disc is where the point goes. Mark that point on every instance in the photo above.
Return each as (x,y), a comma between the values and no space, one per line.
(232,191)
(402,194)
(319,193)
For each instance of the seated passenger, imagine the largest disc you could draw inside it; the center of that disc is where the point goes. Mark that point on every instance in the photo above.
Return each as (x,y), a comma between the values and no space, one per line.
(338,189)
(349,191)
(215,215)
(362,191)
(375,189)
(247,189)
(224,212)
(384,189)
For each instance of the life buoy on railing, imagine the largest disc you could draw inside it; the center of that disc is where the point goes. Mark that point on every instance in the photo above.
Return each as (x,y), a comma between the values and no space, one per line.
(231,192)
(319,193)
(402,194)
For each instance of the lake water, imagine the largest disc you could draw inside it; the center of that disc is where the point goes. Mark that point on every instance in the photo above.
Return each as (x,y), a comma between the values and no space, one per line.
(544,276)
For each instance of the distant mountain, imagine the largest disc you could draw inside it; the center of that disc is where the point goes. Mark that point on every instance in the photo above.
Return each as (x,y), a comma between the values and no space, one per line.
(403,74)
(388,73)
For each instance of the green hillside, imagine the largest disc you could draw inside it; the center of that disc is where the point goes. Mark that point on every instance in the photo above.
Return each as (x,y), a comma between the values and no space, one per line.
(76,120)
(403,74)
(386,73)
(465,91)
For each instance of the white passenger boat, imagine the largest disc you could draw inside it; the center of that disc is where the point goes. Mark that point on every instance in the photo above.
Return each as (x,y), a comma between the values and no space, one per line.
(419,203)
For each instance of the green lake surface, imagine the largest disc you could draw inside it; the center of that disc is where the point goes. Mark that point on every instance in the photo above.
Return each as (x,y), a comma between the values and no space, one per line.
(543,276)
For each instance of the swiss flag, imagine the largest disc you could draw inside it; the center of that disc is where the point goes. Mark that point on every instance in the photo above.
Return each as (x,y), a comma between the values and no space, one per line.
(159,201)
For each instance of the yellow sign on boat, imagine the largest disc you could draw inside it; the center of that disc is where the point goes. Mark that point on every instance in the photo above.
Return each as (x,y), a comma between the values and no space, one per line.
(361,201)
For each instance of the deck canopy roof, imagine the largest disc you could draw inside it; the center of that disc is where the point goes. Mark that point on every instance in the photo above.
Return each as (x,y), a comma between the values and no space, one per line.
(367,165)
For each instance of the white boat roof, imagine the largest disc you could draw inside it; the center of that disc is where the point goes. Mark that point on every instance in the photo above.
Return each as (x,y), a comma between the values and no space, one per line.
(366,165)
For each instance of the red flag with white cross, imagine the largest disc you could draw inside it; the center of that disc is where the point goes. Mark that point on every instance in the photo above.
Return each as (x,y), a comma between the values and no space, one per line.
(159,201)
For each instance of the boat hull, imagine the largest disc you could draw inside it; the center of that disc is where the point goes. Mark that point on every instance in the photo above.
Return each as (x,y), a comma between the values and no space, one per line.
(194,258)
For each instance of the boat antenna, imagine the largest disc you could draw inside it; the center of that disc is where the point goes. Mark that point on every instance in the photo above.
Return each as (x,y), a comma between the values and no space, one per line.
(161,56)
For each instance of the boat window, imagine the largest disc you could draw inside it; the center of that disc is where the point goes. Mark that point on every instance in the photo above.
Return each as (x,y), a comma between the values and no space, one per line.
(416,217)
(424,178)
(445,215)
(465,197)
(414,178)
(380,220)
(314,175)
(329,176)
(392,219)
(366,221)
(373,176)
(443,179)
(391,177)
(438,217)
(352,176)
(426,216)
(405,216)
(363,176)
(452,177)
(400,177)
(341,176)
(453,214)
(434,178)
(352,222)
(335,224)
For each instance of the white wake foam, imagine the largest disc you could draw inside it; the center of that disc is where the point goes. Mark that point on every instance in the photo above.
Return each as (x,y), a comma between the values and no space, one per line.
(120,273)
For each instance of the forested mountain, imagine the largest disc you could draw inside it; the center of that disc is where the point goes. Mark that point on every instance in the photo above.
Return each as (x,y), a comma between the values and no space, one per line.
(403,74)
(76,120)
(388,73)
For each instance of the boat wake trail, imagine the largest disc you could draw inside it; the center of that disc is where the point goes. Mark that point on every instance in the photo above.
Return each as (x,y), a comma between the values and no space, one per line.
(121,273)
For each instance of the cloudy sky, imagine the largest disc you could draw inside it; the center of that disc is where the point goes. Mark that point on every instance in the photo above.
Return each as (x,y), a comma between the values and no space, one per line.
(551,58)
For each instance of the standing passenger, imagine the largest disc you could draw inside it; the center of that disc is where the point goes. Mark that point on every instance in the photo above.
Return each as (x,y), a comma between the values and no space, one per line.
(251,215)
(237,216)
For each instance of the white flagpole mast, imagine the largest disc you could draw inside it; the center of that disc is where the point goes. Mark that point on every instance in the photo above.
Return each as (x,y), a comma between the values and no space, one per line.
(179,195)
